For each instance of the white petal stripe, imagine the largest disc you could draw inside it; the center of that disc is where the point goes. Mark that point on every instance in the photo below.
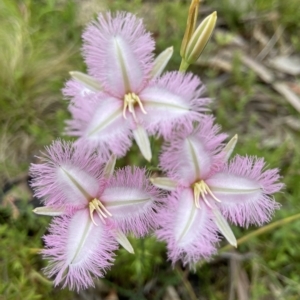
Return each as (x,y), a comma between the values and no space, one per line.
(160,99)
(82,237)
(234,190)
(126,202)
(106,121)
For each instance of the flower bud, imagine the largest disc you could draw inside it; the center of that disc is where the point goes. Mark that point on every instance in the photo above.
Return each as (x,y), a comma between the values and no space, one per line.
(200,38)
(190,25)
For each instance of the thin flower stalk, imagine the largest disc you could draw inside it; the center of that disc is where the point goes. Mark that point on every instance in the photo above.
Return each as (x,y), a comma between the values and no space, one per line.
(195,40)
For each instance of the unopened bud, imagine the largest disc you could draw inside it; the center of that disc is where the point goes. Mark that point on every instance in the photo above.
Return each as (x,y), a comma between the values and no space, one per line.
(200,38)
(190,25)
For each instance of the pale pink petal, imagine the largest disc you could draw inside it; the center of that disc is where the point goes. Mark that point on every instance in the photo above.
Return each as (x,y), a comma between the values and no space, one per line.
(100,124)
(68,177)
(77,185)
(118,51)
(132,200)
(192,154)
(78,250)
(189,232)
(245,190)
(171,100)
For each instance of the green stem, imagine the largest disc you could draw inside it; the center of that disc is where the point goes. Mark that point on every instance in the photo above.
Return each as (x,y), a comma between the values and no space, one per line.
(183,66)
(187,284)
(262,230)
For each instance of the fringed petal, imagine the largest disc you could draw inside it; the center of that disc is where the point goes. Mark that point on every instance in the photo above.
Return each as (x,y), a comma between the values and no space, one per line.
(68,177)
(164,183)
(100,125)
(78,250)
(245,191)
(132,200)
(189,232)
(192,154)
(171,100)
(118,51)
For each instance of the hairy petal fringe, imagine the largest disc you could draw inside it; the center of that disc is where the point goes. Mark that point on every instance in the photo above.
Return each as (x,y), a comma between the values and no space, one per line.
(126,187)
(51,184)
(185,167)
(245,208)
(99,124)
(172,100)
(101,41)
(201,237)
(78,250)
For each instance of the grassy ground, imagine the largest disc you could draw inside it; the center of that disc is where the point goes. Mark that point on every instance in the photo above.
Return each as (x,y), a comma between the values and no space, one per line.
(40,43)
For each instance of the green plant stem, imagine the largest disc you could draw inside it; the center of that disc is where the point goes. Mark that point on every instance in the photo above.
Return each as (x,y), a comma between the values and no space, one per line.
(183,66)
(187,284)
(37,276)
(262,230)
(35,250)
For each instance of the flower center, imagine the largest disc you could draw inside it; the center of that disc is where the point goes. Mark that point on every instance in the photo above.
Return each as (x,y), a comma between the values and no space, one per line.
(202,189)
(130,100)
(103,213)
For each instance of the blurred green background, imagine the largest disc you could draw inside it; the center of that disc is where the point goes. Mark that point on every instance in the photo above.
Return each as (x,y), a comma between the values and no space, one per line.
(251,70)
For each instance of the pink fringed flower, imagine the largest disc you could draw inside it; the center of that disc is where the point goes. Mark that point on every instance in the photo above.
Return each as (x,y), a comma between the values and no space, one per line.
(123,97)
(94,210)
(207,191)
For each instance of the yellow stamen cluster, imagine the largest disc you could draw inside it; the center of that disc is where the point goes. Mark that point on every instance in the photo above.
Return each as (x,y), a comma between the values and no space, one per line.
(202,189)
(130,100)
(103,213)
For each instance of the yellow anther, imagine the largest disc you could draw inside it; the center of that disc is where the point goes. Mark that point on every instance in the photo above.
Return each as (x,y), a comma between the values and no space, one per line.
(130,100)
(202,189)
(102,212)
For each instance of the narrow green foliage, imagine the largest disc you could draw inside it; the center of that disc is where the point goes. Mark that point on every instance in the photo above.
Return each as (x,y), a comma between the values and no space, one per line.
(33,69)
